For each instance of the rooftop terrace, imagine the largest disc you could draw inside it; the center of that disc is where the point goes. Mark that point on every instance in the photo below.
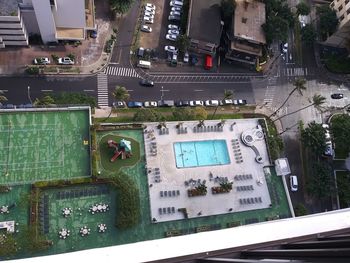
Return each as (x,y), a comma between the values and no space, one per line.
(9,7)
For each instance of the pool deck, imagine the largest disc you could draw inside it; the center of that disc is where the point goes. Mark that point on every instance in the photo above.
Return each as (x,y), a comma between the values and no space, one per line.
(163,175)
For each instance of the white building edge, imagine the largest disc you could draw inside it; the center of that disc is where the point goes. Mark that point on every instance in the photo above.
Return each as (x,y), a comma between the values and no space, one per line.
(205,242)
(53,20)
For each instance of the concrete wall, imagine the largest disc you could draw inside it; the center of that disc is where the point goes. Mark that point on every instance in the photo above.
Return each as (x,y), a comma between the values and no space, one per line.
(45,20)
(70,14)
(30,21)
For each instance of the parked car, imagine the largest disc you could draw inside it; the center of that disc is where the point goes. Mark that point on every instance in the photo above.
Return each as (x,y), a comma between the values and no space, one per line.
(182,103)
(146,28)
(170,49)
(146,82)
(65,61)
(171,26)
(119,104)
(175,13)
(166,103)
(150,104)
(329,149)
(93,33)
(171,37)
(41,61)
(293,183)
(337,96)
(326,131)
(239,102)
(284,47)
(150,10)
(173,32)
(186,57)
(148,20)
(196,103)
(176,9)
(150,15)
(134,104)
(226,102)
(211,103)
(176,3)
(174,18)
(150,6)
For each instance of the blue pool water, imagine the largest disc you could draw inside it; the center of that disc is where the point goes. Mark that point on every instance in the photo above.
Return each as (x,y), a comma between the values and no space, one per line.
(201,153)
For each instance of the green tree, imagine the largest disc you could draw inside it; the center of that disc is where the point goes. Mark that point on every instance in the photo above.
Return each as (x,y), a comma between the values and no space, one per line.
(314,138)
(328,20)
(303,8)
(340,129)
(227,8)
(120,6)
(299,86)
(73,98)
(300,210)
(147,115)
(45,101)
(183,114)
(308,34)
(343,186)
(200,113)
(120,93)
(2,97)
(319,183)
(9,246)
(228,94)
(317,102)
(183,43)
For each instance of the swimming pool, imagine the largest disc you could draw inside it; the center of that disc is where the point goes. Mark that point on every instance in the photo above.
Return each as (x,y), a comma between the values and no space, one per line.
(201,153)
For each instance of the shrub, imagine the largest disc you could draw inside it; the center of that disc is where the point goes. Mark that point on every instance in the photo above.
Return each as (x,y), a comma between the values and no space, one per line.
(71,56)
(128,201)
(32,70)
(54,58)
(147,115)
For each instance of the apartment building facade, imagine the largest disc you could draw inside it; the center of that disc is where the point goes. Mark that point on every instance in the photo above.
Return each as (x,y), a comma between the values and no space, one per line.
(341,38)
(53,20)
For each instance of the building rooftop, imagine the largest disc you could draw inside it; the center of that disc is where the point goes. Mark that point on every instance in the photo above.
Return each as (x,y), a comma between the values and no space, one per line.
(205,21)
(9,7)
(248,19)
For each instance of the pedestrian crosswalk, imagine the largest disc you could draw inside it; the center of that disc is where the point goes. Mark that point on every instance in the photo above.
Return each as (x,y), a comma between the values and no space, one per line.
(121,71)
(295,72)
(269,95)
(102,90)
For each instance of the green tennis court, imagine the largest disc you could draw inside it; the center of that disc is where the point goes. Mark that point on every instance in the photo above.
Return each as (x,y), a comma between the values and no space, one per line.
(44,145)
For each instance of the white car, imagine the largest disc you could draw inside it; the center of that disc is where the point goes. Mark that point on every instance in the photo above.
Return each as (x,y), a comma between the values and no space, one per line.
(148,20)
(176,8)
(150,6)
(293,183)
(327,134)
(170,49)
(173,32)
(170,26)
(145,28)
(211,103)
(284,47)
(196,103)
(175,13)
(171,37)
(148,14)
(226,102)
(65,61)
(176,3)
(150,10)
(150,104)
(186,57)
(41,61)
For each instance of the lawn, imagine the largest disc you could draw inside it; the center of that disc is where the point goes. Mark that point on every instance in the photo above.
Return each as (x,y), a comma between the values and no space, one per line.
(44,145)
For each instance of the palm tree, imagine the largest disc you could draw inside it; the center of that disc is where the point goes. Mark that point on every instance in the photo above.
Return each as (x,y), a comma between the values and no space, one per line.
(45,101)
(317,101)
(299,85)
(120,93)
(228,94)
(2,97)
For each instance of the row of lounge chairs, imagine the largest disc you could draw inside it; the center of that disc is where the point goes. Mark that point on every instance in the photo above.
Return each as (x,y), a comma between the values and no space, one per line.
(241,177)
(163,131)
(166,210)
(250,200)
(182,130)
(245,188)
(214,128)
(170,193)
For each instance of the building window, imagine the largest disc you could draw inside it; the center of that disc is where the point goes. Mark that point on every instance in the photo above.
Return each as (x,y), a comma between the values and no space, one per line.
(348,11)
(340,8)
(346,2)
(332,4)
(341,18)
(53,2)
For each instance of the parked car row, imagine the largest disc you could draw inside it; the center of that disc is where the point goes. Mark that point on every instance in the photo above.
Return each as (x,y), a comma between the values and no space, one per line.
(46,61)
(180,103)
(148,15)
(329,148)
(176,10)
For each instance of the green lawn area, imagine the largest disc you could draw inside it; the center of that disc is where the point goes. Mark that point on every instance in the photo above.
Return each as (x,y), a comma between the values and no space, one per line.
(106,153)
(343,184)
(44,145)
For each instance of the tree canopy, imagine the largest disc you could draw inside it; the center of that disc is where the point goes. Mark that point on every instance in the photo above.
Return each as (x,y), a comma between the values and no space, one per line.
(120,93)
(314,138)
(328,21)
(319,184)
(73,98)
(120,6)
(340,129)
(308,34)
(147,115)
(303,8)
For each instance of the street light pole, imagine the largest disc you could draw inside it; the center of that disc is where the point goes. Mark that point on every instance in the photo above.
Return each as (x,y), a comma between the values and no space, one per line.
(162,93)
(30,99)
